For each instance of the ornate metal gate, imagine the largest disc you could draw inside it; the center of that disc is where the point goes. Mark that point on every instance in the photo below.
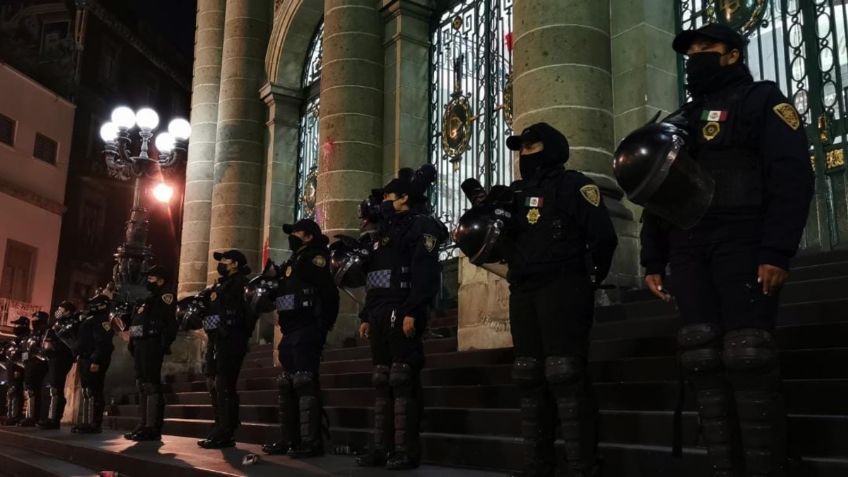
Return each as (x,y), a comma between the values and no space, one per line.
(307,148)
(800,45)
(470,101)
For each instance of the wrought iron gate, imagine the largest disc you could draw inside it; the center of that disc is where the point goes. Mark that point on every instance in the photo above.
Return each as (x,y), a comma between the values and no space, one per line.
(800,45)
(470,102)
(307,148)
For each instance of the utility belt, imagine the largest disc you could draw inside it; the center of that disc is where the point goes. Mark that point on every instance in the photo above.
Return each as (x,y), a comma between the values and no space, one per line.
(140,331)
(303,299)
(388,279)
(214,322)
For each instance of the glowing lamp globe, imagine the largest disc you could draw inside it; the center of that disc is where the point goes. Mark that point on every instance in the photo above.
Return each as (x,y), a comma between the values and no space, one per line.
(164,142)
(123,117)
(109,132)
(179,128)
(147,119)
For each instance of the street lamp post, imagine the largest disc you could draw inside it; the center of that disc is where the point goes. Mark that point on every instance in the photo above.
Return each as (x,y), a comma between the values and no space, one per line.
(133,256)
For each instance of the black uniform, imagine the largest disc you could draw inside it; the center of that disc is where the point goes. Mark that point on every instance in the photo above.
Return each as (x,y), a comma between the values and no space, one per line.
(749,137)
(35,370)
(229,324)
(403,277)
(60,359)
(153,327)
(95,347)
(15,372)
(564,243)
(307,304)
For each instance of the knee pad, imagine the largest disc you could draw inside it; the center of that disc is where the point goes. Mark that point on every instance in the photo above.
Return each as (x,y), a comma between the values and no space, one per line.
(304,382)
(750,350)
(380,377)
(87,393)
(699,348)
(400,376)
(54,391)
(528,372)
(284,382)
(564,370)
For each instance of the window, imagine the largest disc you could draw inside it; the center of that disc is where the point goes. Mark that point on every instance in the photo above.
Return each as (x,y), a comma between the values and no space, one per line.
(18,267)
(471,62)
(7,130)
(307,151)
(45,149)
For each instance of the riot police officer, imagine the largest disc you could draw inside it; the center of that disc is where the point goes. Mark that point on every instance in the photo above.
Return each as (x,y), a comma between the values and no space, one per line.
(95,353)
(60,359)
(153,328)
(307,304)
(727,265)
(563,243)
(403,276)
(35,369)
(231,322)
(15,371)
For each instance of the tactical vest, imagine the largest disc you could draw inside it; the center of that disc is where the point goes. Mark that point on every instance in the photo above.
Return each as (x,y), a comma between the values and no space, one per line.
(296,297)
(724,147)
(221,312)
(389,267)
(144,324)
(545,236)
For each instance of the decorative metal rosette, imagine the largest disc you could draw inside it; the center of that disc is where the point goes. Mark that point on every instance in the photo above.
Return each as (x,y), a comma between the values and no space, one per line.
(744,16)
(309,197)
(456,127)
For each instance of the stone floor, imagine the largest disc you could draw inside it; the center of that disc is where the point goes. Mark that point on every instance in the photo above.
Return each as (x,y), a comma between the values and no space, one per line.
(179,454)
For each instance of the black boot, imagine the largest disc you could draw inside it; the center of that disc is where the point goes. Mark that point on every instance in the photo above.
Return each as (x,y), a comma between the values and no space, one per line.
(288,416)
(537,417)
(155,410)
(383,413)
(142,411)
(86,422)
(222,436)
(30,408)
(14,406)
(407,453)
(568,382)
(753,366)
(309,405)
(55,409)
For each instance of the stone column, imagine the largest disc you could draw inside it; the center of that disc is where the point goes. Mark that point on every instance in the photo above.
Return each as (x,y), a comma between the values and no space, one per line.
(240,148)
(406,106)
(351,124)
(562,48)
(206,83)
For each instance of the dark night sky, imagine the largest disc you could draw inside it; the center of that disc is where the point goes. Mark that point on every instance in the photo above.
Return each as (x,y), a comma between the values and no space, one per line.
(173,18)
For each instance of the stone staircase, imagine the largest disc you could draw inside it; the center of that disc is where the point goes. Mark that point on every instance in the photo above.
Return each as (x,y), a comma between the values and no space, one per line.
(471,417)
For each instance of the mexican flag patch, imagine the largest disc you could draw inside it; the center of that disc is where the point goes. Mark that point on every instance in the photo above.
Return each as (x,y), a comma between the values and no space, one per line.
(714,116)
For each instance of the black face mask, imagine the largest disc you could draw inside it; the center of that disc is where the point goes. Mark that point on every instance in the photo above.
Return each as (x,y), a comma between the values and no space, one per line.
(295,243)
(21,330)
(152,286)
(528,164)
(387,209)
(222,270)
(704,72)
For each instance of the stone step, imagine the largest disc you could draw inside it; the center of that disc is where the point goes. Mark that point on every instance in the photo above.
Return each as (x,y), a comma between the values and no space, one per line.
(821,435)
(803,396)
(178,456)
(18,462)
(504,452)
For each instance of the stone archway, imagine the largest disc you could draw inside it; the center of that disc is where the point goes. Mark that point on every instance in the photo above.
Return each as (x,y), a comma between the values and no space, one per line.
(295,23)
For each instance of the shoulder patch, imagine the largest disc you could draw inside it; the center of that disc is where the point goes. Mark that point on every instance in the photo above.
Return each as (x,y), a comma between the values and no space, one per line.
(319,261)
(591,193)
(430,242)
(213,296)
(168,298)
(788,114)
(106,326)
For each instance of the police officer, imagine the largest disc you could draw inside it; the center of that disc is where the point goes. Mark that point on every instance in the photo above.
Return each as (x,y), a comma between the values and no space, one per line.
(727,270)
(35,369)
(15,370)
(60,359)
(95,354)
(563,247)
(403,276)
(232,324)
(307,304)
(153,327)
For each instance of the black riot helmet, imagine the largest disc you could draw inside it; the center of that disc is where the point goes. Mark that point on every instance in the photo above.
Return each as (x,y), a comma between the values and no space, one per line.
(482,234)
(347,260)
(654,168)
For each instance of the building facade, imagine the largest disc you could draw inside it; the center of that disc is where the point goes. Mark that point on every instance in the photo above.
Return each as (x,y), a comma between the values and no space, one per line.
(36,126)
(301,107)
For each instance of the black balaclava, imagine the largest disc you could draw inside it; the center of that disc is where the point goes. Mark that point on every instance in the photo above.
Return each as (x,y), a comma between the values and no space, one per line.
(705,74)
(555,153)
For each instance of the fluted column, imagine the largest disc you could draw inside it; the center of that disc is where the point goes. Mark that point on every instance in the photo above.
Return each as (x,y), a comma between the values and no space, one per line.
(563,76)
(206,84)
(240,148)
(351,116)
